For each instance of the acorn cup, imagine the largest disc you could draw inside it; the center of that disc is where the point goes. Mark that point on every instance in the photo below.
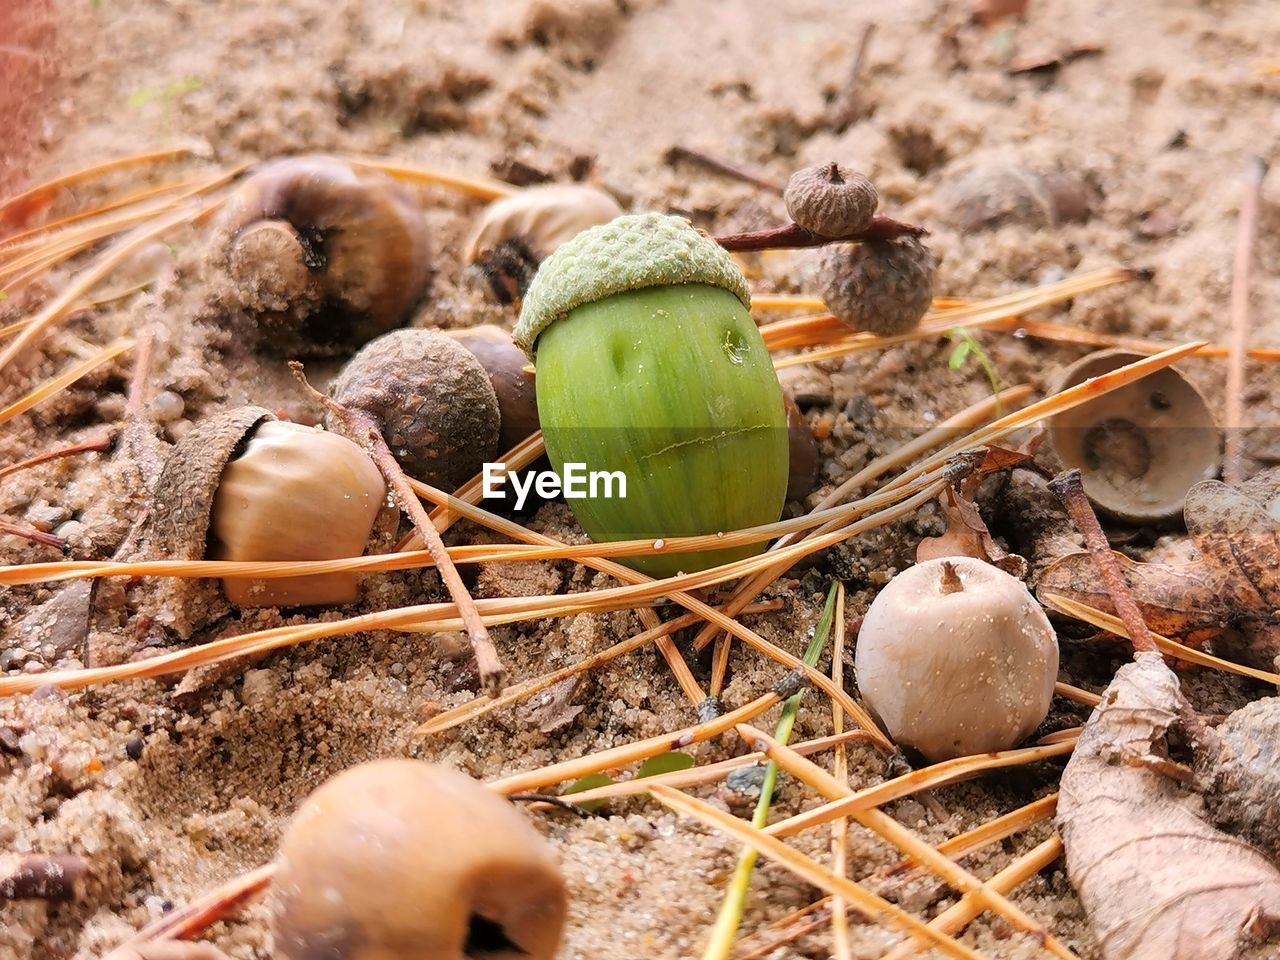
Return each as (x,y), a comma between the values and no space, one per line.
(649,364)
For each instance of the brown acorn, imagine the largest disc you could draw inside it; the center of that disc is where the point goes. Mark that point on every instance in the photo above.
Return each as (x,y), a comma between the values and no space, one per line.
(831,200)
(242,486)
(401,860)
(433,400)
(512,383)
(325,256)
(884,287)
(802,462)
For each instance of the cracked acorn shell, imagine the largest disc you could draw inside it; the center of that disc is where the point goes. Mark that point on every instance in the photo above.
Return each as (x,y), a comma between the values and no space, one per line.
(243,486)
(648,363)
(1140,448)
(326,256)
(402,860)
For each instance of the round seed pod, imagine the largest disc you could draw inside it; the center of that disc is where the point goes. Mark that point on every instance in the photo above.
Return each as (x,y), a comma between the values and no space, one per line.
(325,256)
(1140,448)
(955,657)
(512,384)
(434,401)
(516,233)
(883,287)
(401,860)
(241,486)
(831,200)
(650,365)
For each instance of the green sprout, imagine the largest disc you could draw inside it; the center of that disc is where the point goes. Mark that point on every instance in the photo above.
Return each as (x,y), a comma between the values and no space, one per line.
(735,898)
(165,93)
(967,346)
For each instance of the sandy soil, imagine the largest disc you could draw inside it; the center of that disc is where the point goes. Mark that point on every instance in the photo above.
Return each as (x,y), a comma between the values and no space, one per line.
(168,790)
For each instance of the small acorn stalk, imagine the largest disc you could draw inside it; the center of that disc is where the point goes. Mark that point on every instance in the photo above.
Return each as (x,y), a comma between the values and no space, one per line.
(649,364)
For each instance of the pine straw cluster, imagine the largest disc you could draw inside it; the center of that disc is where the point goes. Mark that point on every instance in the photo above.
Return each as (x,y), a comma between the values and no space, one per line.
(969,441)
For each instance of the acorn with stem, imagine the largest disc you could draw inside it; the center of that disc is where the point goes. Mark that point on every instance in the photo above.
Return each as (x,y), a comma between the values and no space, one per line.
(379,398)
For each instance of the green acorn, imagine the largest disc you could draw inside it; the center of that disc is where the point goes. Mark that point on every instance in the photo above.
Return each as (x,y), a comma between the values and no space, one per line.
(648,363)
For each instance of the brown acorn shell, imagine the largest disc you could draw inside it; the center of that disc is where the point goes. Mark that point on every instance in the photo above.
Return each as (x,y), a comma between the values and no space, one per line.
(402,859)
(432,398)
(181,505)
(362,237)
(512,383)
(884,287)
(831,200)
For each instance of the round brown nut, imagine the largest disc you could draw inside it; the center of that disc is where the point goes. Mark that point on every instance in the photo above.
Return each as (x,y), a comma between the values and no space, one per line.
(883,287)
(512,383)
(434,401)
(357,233)
(831,200)
(295,493)
(401,860)
(242,486)
(802,448)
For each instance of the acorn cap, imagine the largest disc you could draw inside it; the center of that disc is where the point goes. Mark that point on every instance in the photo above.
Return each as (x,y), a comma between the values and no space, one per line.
(182,504)
(1141,448)
(629,253)
(831,200)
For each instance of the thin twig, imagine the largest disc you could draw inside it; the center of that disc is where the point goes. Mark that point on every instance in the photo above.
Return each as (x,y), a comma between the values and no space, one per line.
(845,106)
(678,153)
(1233,462)
(364,430)
(31,533)
(1070,489)
(97,445)
(792,235)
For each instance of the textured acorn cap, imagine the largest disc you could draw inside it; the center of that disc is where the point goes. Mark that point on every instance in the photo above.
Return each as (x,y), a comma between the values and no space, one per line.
(831,200)
(182,503)
(629,253)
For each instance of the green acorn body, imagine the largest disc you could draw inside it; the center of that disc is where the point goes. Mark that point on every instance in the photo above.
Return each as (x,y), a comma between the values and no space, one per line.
(649,365)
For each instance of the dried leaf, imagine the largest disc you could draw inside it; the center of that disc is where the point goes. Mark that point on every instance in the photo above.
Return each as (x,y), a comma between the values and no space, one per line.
(550,709)
(1235,585)
(1175,598)
(1157,880)
(1053,58)
(989,12)
(1240,769)
(967,536)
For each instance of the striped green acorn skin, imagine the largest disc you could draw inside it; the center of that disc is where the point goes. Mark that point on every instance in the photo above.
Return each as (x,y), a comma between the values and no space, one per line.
(673,386)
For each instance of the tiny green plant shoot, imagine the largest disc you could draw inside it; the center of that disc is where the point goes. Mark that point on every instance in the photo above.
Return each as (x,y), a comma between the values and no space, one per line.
(164,93)
(967,346)
(735,898)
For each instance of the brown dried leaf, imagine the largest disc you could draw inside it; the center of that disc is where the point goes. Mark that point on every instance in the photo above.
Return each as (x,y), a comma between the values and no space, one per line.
(967,536)
(1235,531)
(1175,598)
(1156,879)
(550,709)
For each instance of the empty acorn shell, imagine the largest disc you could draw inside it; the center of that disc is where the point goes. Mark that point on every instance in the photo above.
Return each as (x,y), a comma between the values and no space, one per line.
(402,860)
(516,233)
(433,399)
(1140,448)
(360,237)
